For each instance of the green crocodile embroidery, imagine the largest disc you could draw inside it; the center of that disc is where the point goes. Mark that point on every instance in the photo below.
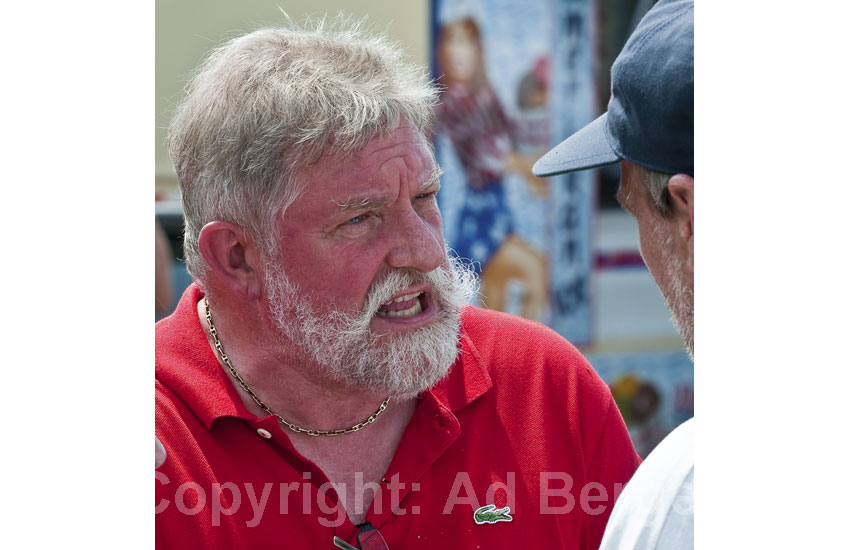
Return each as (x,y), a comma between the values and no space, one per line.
(489,514)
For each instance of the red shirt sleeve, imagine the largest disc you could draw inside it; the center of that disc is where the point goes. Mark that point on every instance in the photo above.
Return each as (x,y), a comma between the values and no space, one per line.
(610,466)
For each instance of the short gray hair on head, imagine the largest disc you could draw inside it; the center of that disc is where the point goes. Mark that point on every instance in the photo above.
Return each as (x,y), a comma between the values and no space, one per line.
(264,105)
(656,184)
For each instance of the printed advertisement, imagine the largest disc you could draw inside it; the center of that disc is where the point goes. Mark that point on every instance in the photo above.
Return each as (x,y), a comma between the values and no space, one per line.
(516,78)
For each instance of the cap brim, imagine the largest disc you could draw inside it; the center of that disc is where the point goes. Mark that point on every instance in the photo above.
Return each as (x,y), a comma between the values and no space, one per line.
(585,149)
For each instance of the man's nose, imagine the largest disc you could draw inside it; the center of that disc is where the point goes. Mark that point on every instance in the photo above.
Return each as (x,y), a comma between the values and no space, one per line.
(417,242)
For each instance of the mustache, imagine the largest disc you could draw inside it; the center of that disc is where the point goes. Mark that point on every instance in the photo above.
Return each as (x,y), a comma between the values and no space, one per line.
(452,285)
(355,327)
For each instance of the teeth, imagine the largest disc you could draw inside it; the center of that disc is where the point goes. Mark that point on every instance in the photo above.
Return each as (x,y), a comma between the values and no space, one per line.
(415,309)
(406,297)
(409,312)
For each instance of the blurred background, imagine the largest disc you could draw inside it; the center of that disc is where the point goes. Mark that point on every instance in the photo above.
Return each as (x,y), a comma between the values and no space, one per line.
(576,265)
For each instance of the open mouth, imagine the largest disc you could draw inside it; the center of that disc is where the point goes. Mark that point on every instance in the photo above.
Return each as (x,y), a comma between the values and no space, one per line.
(404,306)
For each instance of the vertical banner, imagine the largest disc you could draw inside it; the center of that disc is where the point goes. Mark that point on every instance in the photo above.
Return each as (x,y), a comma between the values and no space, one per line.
(516,78)
(574,197)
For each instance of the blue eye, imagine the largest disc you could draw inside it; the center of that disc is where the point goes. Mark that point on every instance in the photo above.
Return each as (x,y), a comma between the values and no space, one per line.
(356,220)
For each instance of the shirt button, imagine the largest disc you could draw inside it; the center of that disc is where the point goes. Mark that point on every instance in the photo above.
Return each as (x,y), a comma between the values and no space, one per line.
(264,433)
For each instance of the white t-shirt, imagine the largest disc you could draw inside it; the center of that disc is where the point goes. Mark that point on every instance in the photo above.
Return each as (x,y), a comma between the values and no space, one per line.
(656,508)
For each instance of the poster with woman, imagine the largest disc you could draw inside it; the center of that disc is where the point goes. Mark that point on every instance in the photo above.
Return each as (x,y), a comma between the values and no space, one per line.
(514,77)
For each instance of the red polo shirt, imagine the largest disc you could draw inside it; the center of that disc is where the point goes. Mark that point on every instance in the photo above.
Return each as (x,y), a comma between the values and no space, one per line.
(522,421)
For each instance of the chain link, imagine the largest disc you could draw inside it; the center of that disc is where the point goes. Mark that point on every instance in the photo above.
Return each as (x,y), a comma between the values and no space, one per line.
(294,427)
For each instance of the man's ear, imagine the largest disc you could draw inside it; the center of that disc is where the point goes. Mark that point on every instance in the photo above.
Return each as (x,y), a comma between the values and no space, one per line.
(681,188)
(232,256)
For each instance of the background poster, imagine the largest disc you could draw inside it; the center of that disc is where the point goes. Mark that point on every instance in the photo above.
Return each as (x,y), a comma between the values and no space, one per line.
(653,390)
(517,78)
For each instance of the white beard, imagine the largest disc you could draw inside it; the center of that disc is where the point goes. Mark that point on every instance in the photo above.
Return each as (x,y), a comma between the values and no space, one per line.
(343,344)
(677,295)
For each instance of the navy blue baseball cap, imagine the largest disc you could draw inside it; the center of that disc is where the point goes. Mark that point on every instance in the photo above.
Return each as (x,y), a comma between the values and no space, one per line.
(650,118)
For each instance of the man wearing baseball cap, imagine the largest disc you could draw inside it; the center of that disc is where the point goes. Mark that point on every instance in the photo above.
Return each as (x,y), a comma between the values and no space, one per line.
(649,130)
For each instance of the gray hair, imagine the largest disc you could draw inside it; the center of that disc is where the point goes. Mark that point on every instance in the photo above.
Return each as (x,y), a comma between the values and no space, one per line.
(264,105)
(656,184)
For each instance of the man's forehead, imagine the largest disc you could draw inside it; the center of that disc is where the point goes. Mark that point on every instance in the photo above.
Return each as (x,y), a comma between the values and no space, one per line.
(367,197)
(404,144)
(371,174)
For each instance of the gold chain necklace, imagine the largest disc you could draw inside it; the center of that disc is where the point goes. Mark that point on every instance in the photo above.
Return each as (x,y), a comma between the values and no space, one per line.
(258,401)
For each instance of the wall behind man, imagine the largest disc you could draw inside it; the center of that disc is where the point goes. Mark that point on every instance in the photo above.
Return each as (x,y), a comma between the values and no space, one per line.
(187,29)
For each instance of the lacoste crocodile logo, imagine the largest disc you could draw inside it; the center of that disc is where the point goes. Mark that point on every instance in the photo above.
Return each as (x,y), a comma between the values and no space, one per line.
(489,514)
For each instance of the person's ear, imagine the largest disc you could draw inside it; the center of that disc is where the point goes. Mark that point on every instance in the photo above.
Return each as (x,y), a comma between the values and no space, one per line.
(232,256)
(681,188)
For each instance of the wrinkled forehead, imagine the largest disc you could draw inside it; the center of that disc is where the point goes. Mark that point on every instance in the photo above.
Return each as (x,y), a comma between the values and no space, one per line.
(373,173)
(405,148)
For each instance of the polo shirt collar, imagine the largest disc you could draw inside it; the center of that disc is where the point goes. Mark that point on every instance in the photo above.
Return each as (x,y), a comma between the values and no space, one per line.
(468,379)
(188,365)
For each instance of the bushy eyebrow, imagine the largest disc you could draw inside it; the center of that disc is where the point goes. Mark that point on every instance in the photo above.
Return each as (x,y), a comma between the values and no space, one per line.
(358,203)
(433,181)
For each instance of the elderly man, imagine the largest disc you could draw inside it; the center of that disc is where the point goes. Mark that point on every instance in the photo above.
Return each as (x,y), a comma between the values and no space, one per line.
(323,382)
(649,130)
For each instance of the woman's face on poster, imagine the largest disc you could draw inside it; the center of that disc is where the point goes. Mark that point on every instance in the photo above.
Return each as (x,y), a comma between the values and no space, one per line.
(462,55)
